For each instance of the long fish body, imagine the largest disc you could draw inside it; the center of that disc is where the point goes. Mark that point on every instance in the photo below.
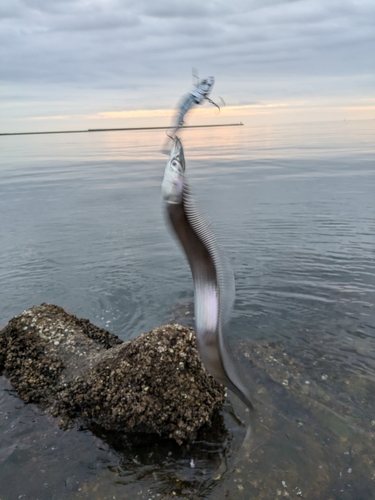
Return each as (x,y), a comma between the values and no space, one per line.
(213,278)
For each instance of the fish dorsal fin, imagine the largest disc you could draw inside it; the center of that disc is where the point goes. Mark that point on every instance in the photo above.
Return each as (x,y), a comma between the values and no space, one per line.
(225,285)
(224,274)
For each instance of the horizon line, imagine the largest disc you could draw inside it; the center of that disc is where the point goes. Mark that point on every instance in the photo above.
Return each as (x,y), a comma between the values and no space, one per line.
(117,129)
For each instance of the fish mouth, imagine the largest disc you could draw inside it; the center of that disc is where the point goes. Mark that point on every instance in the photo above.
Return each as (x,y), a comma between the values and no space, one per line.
(177,152)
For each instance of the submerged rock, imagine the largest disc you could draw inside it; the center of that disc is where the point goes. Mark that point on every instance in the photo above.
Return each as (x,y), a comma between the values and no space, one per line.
(155,383)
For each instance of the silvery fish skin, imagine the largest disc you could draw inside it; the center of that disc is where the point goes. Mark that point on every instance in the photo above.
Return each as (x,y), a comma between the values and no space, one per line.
(173,181)
(212,276)
(200,92)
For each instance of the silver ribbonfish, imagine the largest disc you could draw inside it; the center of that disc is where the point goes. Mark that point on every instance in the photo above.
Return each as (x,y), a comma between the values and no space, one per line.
(212,276)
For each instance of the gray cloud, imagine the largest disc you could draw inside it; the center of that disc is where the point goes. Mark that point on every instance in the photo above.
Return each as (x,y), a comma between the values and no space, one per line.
(256,49)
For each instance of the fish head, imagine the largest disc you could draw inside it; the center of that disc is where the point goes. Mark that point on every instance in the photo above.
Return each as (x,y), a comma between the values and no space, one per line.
(207,83)
(173,182)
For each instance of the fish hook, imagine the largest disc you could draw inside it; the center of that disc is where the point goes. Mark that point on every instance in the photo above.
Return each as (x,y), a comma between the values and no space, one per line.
(214,103)
(170,136)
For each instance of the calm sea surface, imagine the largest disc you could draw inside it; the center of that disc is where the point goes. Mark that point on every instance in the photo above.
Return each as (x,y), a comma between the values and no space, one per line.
(82,226)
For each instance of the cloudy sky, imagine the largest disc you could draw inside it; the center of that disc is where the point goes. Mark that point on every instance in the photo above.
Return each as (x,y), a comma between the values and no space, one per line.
(93,63)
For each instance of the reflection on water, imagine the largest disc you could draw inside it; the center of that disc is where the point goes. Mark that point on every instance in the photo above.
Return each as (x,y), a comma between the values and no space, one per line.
(294,206)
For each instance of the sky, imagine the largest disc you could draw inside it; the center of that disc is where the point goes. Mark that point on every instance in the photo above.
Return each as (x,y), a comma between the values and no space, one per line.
(73,64)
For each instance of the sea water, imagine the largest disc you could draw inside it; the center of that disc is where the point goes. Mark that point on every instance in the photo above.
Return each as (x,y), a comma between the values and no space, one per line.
(83,227)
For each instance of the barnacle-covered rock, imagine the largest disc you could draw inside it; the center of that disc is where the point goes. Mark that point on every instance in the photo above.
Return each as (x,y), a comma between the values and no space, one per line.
(155,383)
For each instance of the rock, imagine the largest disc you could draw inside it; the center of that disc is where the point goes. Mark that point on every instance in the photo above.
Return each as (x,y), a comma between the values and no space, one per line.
(155,383)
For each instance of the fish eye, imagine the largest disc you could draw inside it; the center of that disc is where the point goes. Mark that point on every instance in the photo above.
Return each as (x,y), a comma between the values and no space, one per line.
(174,163)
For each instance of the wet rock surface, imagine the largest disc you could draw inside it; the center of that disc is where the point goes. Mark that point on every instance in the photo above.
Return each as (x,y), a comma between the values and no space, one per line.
(76,371)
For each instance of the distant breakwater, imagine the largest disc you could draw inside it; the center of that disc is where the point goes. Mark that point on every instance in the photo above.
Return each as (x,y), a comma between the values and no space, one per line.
(118,129)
